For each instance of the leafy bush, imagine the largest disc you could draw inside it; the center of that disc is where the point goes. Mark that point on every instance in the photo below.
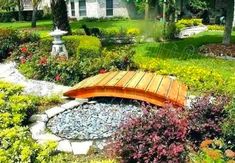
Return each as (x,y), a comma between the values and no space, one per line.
(16,145)
(8,41)
(158,136)
(7,16)
(215,27)
(184,23)
(89,47)
(205,118)
(76,45)
(228,126)
(28,36)
(103,19)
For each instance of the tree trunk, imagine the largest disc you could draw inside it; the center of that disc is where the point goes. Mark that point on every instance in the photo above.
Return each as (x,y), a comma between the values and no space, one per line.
(146,14)
(20,9)
(34,17)
(229,22)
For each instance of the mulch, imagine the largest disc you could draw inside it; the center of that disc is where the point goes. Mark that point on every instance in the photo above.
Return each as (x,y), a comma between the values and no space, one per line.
(218,50)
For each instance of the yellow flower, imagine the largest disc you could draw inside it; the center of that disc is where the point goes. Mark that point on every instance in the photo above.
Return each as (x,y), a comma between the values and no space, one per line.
(206,143)
(213,153)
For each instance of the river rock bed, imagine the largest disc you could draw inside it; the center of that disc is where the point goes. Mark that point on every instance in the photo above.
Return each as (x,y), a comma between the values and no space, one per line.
(92,121)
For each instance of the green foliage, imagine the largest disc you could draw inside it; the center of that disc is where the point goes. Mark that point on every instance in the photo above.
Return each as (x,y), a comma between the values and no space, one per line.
(89,47)
(28,36)
(215,27)
(196,6)
(75,45)
(182,59)
(17,146)
(228,126)
(8,41)
(184,23)
(7,16)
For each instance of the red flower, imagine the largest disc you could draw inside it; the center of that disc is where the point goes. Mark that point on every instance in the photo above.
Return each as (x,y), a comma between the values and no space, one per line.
(43,61)
(24,49)
(22,60)
(57,77)
(102,71)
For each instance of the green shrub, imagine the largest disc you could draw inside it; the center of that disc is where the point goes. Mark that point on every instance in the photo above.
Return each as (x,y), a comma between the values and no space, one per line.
(228,126)
(89,47)
(8,41)
(76,45)
(183,23)
(28,36)
(7,16)
(215,27)
(16,145)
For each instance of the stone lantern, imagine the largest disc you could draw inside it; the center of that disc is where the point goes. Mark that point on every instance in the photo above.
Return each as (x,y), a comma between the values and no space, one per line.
(58,48)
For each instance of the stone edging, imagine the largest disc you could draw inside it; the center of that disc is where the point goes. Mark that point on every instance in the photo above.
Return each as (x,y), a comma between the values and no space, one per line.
(39,133)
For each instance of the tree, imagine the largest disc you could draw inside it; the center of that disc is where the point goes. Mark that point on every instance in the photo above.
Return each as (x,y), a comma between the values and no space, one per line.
(7,5)
(229,22)
(60,15)
(35,4)
(20,6)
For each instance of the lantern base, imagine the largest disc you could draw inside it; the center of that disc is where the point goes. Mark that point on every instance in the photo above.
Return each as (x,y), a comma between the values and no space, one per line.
(59,50)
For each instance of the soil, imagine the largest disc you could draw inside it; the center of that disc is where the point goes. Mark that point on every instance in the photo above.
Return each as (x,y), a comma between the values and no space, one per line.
(218,50)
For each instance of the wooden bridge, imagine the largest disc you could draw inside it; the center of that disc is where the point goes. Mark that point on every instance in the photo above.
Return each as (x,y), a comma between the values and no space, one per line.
(144,86)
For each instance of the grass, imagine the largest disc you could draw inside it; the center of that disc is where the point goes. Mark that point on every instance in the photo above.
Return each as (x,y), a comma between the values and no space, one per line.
(182,59)
(45,26)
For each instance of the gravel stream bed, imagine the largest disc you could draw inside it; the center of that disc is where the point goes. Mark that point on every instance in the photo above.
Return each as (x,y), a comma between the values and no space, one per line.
(93,121)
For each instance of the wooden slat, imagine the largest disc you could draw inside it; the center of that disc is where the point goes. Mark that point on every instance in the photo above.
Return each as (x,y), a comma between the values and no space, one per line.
(93,80)
(173,92)
(135,80)
(182,94)
(106,79)
(125,79)
(143,84)
(156,81)
(102,77)
(164,87)
(116,78)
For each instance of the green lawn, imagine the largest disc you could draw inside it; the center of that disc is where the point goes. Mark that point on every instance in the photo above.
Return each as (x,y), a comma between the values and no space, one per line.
(182,59)
(45,26)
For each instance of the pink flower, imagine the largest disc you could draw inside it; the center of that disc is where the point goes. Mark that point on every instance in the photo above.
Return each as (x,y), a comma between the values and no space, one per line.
(57,77)
(102,71)
(22,60)
(43,61)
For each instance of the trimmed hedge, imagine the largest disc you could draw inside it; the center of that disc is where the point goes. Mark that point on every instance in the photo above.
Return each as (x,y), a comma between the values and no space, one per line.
(79,46)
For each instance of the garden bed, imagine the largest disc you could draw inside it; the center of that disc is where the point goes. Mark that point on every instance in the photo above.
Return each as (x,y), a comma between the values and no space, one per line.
(219,50)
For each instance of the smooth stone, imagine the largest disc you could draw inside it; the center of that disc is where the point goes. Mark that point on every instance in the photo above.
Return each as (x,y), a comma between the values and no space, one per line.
(38,117)
(54,111)
(71,104)
(64,146)
(37,128)
(81,147)
(48,137)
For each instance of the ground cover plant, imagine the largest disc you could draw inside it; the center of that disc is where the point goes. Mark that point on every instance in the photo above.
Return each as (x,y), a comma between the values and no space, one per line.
(182,59)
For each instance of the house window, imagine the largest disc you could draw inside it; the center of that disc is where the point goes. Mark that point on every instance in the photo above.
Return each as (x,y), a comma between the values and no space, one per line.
(72,8)
(82,7)
(109,7)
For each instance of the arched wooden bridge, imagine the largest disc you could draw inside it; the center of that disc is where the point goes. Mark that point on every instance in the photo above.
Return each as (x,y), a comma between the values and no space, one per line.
(144,86)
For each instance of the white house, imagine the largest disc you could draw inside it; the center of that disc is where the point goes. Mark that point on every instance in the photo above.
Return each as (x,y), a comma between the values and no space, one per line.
(88,8)
(96,8)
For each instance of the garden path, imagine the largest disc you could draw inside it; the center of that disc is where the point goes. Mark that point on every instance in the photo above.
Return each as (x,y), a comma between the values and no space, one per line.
(9,73)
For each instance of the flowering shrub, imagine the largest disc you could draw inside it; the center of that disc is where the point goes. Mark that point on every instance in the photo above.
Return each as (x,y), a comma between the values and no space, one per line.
(212,151)
(158,136)
(205,118)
